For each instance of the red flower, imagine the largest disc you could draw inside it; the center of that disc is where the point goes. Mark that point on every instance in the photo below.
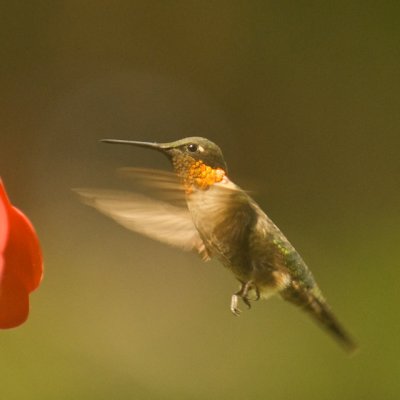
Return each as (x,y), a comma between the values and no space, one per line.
(21,264)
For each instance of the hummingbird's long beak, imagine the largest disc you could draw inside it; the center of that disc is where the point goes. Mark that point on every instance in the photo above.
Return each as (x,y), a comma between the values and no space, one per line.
(156,146)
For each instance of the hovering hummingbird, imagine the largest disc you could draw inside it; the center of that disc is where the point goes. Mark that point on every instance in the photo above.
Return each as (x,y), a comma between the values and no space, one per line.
(216,218)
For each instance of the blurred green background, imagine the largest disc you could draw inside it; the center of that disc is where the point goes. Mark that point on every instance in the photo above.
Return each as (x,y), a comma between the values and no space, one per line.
(303,98)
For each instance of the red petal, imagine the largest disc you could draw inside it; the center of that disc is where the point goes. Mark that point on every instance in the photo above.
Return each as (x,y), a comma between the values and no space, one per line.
(14,303)
(23,252)
(21,265)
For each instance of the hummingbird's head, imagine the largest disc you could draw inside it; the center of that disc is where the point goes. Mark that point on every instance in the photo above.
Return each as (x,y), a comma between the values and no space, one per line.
(196,160)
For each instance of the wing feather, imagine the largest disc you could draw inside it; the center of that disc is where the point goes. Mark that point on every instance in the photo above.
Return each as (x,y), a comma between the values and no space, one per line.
(153,218)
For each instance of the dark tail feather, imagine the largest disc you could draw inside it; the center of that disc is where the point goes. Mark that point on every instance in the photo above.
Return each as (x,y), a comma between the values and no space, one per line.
(321,312)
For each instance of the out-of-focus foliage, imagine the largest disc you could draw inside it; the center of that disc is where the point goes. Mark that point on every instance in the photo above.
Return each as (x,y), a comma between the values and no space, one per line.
(304,100)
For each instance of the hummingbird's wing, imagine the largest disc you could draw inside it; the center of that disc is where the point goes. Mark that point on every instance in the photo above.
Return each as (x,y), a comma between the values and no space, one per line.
(158,184)
(161,220)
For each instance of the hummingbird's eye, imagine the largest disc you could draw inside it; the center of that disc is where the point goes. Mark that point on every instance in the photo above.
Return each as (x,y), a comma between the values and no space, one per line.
(192,147)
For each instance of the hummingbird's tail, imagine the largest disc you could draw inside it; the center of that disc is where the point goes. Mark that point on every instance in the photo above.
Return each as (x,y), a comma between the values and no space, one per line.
(313,302)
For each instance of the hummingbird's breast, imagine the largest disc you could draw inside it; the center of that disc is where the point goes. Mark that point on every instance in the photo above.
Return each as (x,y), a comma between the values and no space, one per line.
(224,217)
(236,231)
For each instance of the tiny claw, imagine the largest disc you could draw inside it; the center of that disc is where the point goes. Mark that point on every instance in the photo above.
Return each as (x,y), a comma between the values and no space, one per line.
(236,312)
(257,293)
(247,302)
(234,305)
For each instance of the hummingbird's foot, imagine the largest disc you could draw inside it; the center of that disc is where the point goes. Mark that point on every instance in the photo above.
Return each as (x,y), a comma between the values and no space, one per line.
(244,293)
(247,302)
(234,305)
(257,292)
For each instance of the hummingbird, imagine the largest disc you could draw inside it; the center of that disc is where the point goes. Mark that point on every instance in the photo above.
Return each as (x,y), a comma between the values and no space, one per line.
(204,211)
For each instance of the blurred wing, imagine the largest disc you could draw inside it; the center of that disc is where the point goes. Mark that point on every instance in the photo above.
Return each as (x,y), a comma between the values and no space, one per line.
(156,219)
(159,184)
(149,175)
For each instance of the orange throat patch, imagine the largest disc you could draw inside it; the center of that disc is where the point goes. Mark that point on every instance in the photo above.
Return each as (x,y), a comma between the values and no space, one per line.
(202,176)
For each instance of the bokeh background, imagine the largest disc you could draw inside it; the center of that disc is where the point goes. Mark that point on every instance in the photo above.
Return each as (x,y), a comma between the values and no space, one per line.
(303,97)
